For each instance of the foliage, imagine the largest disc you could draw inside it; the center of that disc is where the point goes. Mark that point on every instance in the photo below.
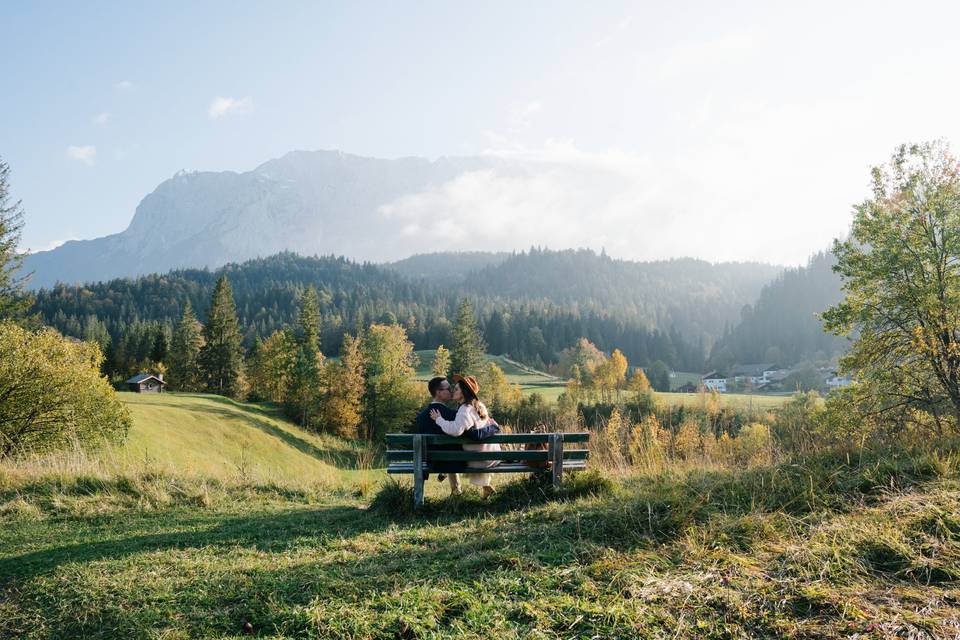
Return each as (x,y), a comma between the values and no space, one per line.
(351,296)
(901,279)
(797,424)
(496,392)
(51,393)
(343,395)
(221,356)
(304,385)
(13,301)
(659,375)
(467,346)
(184,366)
(805,379)
(440,368)
(271,367)
(391,397)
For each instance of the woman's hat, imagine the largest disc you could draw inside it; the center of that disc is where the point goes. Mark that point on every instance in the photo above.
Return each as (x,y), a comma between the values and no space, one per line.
(470,381)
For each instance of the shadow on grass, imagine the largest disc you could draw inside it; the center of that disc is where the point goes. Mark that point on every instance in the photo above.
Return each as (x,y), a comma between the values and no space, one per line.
(265,532)
(342,458)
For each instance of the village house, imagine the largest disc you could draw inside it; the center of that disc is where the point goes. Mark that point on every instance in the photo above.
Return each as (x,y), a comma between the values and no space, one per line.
(714,382)
(146,383)
(755,374)
(836,381)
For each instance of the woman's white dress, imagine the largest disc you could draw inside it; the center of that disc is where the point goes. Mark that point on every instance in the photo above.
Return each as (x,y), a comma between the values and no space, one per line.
(468,418)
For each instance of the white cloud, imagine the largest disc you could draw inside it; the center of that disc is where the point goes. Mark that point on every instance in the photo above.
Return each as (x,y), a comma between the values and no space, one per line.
(123,85)
(229,106)
(86,154)
(634,206)
(102,119)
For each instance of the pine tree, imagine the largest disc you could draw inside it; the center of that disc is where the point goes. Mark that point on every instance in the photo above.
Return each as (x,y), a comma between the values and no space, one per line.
(466,354)
(441,362)
(185,351)
(309,318)
(305,386)
(13,301)
(221,357)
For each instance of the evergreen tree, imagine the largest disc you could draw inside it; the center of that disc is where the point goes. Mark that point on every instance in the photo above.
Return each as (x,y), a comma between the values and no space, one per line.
(441,363)
(659,376)
(466,353)
(158,353)
(305,385)
(13,301)
(185,352)
(221,357)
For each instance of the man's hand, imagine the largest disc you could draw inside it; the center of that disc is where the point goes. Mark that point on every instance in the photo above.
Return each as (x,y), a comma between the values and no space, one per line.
(434,414)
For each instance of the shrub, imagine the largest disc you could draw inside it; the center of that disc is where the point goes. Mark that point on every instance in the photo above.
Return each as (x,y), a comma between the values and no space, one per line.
(52,393)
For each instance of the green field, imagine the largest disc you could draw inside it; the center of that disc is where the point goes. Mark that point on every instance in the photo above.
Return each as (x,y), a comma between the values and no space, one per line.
(530,381)
(739,400)
(211,436)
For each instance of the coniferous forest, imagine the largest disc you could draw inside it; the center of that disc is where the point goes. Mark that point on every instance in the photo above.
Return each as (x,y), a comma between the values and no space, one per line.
(663,311)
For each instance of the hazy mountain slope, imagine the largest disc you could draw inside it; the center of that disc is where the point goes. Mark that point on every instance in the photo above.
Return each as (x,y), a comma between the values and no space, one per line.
(693,297)
(445,266)
(782,326)
(316,202)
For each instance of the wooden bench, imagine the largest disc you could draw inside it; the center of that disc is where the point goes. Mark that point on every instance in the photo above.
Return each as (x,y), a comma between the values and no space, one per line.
(411,453)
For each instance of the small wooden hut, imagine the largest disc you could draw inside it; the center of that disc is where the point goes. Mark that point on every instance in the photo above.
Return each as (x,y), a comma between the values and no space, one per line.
(146,383)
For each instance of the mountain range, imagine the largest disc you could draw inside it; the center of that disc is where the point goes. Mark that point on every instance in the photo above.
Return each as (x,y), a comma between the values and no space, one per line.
(308,202)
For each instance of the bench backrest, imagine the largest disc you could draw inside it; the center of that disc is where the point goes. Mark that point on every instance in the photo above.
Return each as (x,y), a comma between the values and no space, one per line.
(400,447)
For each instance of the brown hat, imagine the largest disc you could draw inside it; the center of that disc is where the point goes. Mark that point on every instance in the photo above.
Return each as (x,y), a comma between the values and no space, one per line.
(469,381)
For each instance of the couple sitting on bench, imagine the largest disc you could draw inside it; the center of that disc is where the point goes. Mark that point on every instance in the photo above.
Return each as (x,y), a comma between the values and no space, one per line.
(470,421)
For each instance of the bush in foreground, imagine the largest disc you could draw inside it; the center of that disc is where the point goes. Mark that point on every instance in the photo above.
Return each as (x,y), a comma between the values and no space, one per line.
(52,393)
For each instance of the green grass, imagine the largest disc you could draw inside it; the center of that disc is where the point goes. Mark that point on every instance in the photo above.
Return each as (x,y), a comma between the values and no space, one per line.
(530,380)
(740,400)
(196,435)
(830,547)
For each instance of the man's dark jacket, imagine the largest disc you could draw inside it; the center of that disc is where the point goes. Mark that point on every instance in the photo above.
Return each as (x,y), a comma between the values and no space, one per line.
(425,425)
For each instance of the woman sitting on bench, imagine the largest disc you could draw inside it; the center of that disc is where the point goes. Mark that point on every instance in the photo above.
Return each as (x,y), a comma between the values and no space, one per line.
(471,415)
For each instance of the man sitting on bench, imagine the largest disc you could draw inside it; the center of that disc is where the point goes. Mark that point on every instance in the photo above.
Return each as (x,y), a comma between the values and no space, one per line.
(440,394)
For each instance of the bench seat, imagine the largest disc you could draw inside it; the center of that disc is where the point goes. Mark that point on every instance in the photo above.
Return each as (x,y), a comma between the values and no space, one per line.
(412,454)
(505,467)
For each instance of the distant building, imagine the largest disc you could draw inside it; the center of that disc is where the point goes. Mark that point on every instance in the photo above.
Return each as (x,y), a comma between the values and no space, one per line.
(755,374)
(714,382)
(838,382)
(146,383)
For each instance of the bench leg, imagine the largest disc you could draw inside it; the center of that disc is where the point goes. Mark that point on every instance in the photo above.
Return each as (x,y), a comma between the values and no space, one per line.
(417,471)
(555,449)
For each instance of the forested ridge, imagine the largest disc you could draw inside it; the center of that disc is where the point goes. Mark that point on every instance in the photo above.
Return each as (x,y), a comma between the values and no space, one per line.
(531,306)
(783,326)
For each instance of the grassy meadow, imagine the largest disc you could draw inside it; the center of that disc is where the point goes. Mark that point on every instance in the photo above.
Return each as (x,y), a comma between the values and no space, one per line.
(168,537)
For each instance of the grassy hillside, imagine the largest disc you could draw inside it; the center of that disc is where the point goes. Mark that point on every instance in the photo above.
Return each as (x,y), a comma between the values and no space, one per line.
(530,380)
(212,436)
(830,547)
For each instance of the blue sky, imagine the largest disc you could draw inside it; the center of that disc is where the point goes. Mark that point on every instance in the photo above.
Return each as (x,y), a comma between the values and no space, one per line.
(748,133)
